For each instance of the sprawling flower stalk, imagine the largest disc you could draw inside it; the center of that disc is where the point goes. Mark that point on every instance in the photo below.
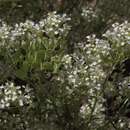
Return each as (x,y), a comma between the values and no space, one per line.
(27,48)
(89,67)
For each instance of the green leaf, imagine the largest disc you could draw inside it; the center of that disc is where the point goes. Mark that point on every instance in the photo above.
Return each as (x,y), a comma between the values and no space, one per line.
(22,72)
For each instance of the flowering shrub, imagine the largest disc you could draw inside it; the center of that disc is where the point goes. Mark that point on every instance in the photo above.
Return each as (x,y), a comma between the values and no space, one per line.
(66,91)
(30,45)
(88,70)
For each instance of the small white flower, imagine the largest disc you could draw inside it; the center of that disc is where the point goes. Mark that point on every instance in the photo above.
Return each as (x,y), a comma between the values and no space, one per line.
(7,104)
(2,105)
(21,102)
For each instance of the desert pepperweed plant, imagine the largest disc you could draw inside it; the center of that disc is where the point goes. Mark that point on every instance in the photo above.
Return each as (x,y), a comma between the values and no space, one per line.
(42,87)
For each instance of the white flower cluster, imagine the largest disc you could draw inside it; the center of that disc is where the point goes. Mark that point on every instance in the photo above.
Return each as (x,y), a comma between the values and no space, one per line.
(54,24)
(119,33)
(89,13)
(4,31)
(11,95)
(98,108)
